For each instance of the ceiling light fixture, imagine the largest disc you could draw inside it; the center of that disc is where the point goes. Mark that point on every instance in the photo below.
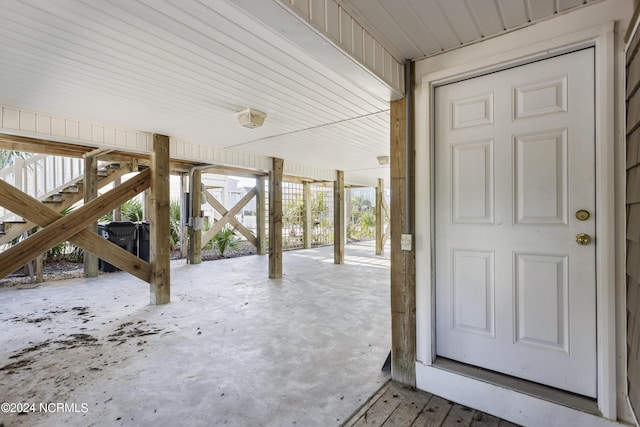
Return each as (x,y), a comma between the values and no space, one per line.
(383,160)
(251,118)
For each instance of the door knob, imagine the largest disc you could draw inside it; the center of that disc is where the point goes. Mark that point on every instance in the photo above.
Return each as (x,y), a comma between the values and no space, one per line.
(583,239)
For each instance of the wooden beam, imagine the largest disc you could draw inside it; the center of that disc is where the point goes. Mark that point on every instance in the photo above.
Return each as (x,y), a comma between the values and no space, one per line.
(275,219)
(90,192)
(58,228)
(296,179)
(380,217)
(159,256)
(230,219)
(234,171)
(307,226)
(194,255)
(338,218)
(403,269)
(98,152)
(261,247)
(41,146)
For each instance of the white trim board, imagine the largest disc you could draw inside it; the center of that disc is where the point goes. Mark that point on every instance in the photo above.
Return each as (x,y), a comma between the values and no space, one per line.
(598,25)
(502,402)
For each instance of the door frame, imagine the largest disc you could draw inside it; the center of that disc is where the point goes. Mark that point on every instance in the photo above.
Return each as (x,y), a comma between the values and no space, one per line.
(609,208)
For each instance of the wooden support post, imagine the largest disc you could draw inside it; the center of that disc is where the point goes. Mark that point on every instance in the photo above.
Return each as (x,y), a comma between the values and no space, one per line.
(307,229)
(146,204)
(403,268)
(380,217)
(159,258)
(39,269)
(183,217)
(338,218)
(90,189)
(275,219)
(261,232)
(195,229)
(117,212)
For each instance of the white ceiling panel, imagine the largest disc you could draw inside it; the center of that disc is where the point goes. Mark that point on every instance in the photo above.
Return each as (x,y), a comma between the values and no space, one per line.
(461,20)
(434,26)
(540,9)
(514,12)
(488,16)
(184,67)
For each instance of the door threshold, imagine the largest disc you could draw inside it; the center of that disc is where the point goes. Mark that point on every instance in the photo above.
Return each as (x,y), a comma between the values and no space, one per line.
(550,394)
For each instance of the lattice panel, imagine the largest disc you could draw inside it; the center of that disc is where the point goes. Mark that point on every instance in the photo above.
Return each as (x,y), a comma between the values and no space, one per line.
(292,216)
(322,213)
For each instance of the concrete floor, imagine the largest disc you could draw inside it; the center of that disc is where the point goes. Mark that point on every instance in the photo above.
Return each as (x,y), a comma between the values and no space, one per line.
(233,348)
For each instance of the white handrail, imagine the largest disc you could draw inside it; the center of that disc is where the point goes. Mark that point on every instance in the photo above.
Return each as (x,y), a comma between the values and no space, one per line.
(41,176)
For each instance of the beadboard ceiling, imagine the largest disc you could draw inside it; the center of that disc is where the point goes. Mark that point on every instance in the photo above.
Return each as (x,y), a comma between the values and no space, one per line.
(184,67)
(417,29)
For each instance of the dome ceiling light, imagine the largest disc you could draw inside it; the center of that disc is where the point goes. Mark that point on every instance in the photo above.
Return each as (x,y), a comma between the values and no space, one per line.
(251,118)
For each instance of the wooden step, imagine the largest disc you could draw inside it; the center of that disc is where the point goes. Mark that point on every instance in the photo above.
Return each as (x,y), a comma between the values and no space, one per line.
(71,189)
(54,198)
(6,226)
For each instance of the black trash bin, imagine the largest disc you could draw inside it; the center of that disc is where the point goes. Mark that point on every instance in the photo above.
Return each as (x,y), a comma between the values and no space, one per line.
(123,234)
(143,240)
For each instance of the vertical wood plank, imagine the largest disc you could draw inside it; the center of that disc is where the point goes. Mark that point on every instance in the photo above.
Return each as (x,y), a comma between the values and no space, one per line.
(379,218)
(39,269)
(275,219)
(90,190)
(146,204)
(159,258)
(195,232)
(307,228)
(261,197)
(338,218)
(403,277)
(117,212)
(184,189)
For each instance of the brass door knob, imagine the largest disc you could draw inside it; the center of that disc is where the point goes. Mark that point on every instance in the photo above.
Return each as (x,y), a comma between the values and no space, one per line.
(583,239)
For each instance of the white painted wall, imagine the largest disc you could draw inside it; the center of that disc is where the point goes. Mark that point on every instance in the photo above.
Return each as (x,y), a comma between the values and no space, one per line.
(603,24)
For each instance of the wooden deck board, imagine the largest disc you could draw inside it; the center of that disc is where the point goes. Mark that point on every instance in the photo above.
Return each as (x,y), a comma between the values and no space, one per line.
(434,413)
(367,405)
(405,414)
(394,405)
(383,408)
(459,416)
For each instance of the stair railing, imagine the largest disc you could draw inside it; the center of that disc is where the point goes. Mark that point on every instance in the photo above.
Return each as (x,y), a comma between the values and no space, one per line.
(41,176)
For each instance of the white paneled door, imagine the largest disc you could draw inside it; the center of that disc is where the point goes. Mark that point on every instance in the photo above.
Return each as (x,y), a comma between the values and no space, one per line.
(515,198)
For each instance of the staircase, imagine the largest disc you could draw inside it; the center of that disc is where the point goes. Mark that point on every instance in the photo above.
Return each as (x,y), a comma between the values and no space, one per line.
(54,180)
